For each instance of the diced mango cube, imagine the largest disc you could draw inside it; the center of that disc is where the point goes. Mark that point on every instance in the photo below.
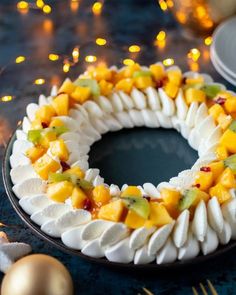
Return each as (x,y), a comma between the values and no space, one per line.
(60,191)
(159,214)
(204,180)
(76,170)
(36,124)
(197,80)
(216,168)
(221,152)
(101,195)
(215,111)
(67,87)
(35,152)
(133,220)
(224,94)
(228,140)
(171,89)
(175,77)
(105,87)
(77,198)
(61,104)
(45,165)
(143,82)
(170,196)
(56,123)
(158,71)
(45,114)
(220,192)
(101,73)
(194,95)
(224,121)
(230,105)
(112,211)
(59,149)
(47,138)
(125,85)
(129,70)
(131,191)
(227,178)
(81,94)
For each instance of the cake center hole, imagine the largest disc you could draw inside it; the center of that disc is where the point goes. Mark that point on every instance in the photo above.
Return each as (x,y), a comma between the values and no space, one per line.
(140,155)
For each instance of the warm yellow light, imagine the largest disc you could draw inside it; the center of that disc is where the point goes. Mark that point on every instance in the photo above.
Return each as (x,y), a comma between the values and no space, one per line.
(40,3)
(101,41)
(134,48)
(170,3)
(66,67)
(48,25)
(90,58)
(20,59)
(168,62)
(23,5)
(194,54)
(194,66)
(161,36)
(128,62)
(39,81)
(163,5)
(74,5)
(53,56)
(75,54)
(47,9)
(97,8)
(6,98)
(208,40)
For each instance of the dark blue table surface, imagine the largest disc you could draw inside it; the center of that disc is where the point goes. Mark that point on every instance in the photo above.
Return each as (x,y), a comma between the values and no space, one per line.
(122,23)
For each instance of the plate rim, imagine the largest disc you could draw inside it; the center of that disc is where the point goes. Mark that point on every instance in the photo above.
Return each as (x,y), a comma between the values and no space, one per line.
(102,261)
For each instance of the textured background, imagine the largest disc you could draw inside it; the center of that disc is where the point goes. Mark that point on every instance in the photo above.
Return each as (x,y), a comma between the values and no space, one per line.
(122,23)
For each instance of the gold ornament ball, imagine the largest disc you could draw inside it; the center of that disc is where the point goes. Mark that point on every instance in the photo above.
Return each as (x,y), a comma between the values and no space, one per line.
(37,274)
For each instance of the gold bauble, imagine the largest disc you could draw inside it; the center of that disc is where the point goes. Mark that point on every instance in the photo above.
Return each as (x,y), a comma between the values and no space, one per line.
(37,274)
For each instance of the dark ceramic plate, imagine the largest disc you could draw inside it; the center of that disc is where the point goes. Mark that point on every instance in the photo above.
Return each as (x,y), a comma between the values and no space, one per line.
(136,156)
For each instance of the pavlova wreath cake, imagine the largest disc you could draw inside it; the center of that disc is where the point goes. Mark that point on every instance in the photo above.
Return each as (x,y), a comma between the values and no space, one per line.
(193,213)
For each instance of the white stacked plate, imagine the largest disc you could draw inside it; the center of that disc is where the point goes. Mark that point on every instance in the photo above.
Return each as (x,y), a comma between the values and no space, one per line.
(223,50)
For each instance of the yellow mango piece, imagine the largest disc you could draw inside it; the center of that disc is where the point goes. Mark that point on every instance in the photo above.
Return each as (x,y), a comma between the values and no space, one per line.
(201,195)
(133,220)
(101,73)
(143,82)
(158,71)
(159,214)
(221,152)
(76,170)
(197,80)
(112,211)
(220,192)
(228,140)
(56,123)
(61,104)
(175,77)
(81,94)
(131,191)
(45,165)
(59,149)
(216,168)
(67,87)
(77,198)
(60,191)
(170,197)
(227,178)
(45,114)
(101,195)
(224,121)
(194,95)
(36,124)
(224,94)
(105,87)
(125,85)
(148,224)
(35,152)
(230,105)
(171,89)
(215,111)
(129,70)
(47,138)
(204,180)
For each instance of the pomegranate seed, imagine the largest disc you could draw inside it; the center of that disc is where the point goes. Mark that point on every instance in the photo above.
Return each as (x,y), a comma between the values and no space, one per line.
(184,80)
(205,169)
(87,204)
(64,166)
(220,100)
(147,198)
(197,185)
(159,84)
(44,125)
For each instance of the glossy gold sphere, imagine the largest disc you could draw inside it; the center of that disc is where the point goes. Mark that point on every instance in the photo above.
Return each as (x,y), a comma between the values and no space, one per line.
(37,275)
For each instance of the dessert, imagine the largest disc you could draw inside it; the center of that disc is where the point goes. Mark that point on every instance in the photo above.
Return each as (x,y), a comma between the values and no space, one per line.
(191,214)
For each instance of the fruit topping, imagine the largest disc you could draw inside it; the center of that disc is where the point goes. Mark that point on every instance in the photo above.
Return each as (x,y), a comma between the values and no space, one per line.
(211,90)
(137,204)
(191,197)
(231,163)
(89,83)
